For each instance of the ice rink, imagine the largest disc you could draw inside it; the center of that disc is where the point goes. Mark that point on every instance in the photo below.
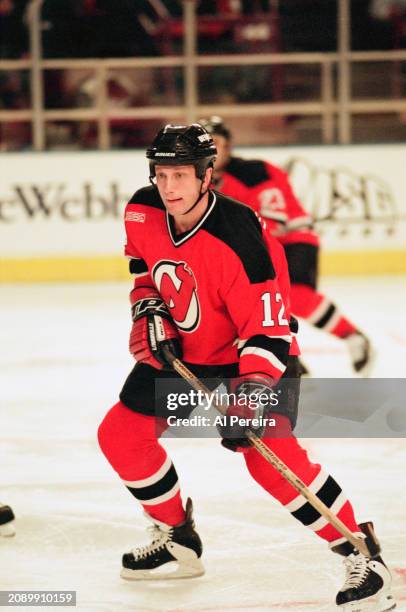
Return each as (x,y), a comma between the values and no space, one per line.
(63,361)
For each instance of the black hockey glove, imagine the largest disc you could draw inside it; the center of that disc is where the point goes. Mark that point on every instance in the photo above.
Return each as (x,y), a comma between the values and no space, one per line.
(251,399)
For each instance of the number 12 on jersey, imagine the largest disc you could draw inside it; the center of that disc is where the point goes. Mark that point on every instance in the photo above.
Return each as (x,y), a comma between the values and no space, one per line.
(273,308)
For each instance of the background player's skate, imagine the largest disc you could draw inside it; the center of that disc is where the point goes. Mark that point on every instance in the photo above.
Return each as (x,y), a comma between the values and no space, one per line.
(6,521)
(361,352)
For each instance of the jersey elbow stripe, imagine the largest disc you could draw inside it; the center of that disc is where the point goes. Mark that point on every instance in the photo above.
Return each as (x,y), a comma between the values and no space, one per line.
(242,342)
(300,222)
(274,364)
(270,345)
(279,217)
(159,487)
(138,266)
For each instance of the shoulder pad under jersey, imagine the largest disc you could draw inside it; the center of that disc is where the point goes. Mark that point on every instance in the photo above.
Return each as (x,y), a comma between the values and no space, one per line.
(251,172)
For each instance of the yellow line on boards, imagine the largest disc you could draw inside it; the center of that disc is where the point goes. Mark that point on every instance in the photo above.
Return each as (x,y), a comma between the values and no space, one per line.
(61,269)
(115,268)
(359,263)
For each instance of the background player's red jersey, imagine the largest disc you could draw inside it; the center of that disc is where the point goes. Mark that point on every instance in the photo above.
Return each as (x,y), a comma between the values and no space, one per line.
(266,189)
(224,283)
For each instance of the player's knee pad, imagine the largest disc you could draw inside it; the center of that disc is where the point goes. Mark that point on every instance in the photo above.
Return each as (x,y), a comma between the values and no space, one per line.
(288,392)
(128,440)
(109,430)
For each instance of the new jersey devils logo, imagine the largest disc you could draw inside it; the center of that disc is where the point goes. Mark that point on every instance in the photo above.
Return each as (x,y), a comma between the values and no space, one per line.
(272,200)
(177,285)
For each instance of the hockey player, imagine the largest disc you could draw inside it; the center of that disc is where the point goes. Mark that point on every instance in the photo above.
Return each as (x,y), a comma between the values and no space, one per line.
(6,521)
(267,190)
(213,288)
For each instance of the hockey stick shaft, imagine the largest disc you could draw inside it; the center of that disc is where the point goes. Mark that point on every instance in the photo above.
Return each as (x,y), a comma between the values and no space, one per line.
(275,461)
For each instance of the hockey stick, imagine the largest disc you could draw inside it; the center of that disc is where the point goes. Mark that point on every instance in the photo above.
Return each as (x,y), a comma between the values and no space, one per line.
(364,545)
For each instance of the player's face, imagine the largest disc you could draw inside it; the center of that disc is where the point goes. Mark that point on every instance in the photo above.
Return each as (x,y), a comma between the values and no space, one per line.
(223,152)
(178,187)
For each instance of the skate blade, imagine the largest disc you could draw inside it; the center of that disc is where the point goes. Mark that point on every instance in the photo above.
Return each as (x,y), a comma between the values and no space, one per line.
(384,603)
(185,570)
(7,530)
(365,372)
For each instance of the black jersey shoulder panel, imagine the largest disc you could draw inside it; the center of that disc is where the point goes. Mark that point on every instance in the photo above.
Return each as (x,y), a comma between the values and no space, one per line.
(237,225)
(148,196)
(251,172)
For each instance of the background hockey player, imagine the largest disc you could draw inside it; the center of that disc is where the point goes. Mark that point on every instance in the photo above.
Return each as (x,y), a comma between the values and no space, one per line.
(267,190)
(212,287)
(6,521)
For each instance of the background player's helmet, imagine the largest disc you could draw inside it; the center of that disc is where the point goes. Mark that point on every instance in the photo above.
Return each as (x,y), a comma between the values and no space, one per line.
(215,125)
(181,145)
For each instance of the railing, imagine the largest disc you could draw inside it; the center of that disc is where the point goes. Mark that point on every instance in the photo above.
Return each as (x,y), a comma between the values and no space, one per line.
(327,107)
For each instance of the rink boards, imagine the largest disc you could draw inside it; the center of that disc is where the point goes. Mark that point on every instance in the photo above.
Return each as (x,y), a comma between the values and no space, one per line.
(61,213)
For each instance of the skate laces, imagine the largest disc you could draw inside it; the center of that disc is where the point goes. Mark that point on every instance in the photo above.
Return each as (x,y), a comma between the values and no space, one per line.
(159,539)
(357,570)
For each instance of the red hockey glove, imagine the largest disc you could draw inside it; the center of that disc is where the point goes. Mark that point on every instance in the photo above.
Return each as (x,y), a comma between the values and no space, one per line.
(153,329)
(251,400)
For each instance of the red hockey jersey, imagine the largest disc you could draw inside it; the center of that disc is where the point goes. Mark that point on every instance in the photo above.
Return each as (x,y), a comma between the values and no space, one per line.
(266,189)
(224,282)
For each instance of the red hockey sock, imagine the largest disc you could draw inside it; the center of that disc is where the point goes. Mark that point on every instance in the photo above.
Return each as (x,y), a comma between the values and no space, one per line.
(318,481)
(129,441)
(321,312)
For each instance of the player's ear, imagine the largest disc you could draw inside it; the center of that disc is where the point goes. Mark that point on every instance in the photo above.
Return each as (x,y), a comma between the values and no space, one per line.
(207,178)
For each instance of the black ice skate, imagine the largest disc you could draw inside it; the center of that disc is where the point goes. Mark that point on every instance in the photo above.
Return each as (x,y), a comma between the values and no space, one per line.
(303,369)
(6,521)
(361,352)
(173,553)
(368,580)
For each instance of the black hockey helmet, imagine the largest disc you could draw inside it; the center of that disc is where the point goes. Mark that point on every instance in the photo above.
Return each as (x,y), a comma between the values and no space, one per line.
(215,125)
(181,145)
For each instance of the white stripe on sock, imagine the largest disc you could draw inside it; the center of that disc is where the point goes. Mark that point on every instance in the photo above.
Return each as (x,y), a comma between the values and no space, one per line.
(146,482)
(314,486)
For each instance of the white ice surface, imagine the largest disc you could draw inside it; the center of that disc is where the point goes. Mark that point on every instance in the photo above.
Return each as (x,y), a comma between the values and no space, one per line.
(63,360)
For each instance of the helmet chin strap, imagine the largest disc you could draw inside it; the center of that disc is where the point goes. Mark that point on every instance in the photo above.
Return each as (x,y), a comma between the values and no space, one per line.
(199,197)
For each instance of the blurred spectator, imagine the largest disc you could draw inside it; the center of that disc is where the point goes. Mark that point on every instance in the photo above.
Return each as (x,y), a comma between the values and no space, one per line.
(122,32)
(13,32)
(14,90)
(393,12)
(385,9)
(311,25)
(97,28)
(255,6)
(59,29)
(14,95)
(308,25)
(368,33)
